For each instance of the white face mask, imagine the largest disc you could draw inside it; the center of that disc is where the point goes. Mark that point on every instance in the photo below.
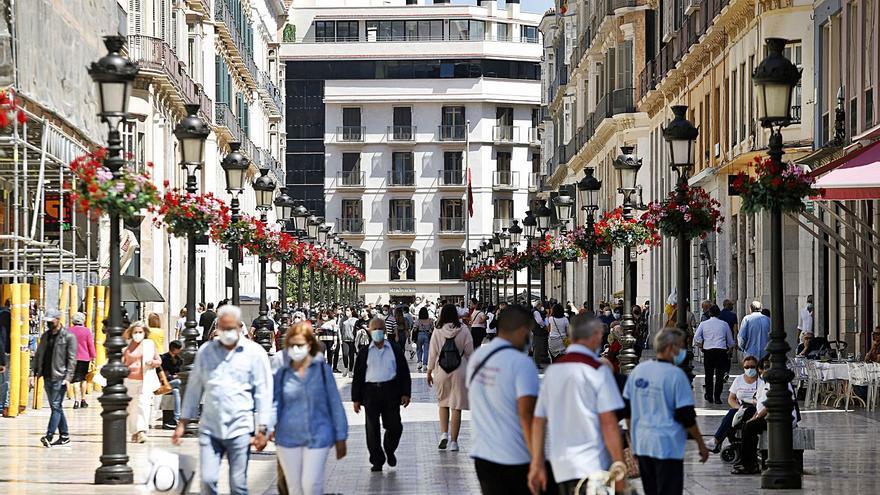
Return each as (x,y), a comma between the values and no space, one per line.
(137,337)
(298,352)
(228,337)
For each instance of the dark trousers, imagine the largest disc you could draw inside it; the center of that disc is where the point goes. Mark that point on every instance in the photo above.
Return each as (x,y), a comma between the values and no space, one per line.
(749,454)
(717,363)
(478,334)
(55,391)
(724,428)
(348,350)
(661,476)
(380,400)
(502,479)
(540,346)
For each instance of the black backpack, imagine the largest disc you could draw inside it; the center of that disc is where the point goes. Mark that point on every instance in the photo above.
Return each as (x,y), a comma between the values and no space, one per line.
(450,359)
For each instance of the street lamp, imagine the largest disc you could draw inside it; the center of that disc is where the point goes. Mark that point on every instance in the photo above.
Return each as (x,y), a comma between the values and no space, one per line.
(283,211)
(300,217)
(114,75)
(515,232)
(775,79)
(530,225)
(627,166)
(264,190)
(589,187)
(235,166)
(681,135)
(563,205)
(504,239)
(543,214)
(191,132)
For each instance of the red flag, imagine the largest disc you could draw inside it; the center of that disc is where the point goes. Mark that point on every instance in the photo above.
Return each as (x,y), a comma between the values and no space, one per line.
(470,198)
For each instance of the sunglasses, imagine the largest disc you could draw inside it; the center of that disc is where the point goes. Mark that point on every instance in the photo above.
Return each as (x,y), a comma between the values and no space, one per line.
(748,367)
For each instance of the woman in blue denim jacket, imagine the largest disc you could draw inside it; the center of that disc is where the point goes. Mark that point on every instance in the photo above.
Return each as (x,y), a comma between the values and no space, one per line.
(309,417)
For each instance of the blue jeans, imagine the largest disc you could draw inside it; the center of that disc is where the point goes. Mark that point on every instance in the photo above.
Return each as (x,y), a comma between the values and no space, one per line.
(4,385)
(175,391)
(422,343)
(237,452)
(55,391)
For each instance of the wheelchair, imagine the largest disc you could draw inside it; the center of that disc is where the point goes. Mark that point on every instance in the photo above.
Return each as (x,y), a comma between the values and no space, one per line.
(733,452)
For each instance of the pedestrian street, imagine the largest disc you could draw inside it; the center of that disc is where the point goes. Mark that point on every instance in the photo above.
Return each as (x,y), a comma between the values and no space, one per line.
(846,461)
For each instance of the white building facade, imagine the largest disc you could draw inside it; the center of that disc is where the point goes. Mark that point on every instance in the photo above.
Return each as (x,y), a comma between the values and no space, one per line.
(390,104)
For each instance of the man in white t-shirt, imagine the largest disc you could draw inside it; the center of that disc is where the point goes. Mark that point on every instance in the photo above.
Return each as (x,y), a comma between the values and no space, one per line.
(577,409)
(503,386)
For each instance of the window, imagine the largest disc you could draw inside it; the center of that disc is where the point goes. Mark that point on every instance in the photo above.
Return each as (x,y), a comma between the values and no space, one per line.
(453,123)
(504,210)
(504,124)
(401,217)
(351,124)
(451,215)
(402,129)
(325,31)
(503,175)
(529,34)
(352,216)
(451,264)
(424,30)
(793,52)
(503,31)
(347,31)
(402,172)
(467,30)
(351,169)
(625,65)
(402,262)
(452,168)
(868,62)
(417,69)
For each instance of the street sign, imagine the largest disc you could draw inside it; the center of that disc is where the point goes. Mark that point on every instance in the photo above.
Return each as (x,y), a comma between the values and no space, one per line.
(604,259)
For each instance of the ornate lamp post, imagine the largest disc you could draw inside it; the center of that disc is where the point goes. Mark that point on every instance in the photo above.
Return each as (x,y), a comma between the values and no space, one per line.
(627,166)
(300,217)
(284,212)
(235,166)
(264,190)
(563,204)
(313,225)
(113,75)
(775,79)
(504,239)
(515,232)
(530,225)
(191,132)
(323,236)
(543,214)
(681,134)
(496,255)
(589,187)
(486,284)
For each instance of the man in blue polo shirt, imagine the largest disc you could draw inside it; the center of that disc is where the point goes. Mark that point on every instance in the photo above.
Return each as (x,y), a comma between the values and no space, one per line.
(662,415)
(503,387)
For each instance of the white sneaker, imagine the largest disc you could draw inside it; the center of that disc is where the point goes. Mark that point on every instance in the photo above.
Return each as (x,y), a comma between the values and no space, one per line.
(420,368)
(453,446)
(444,439)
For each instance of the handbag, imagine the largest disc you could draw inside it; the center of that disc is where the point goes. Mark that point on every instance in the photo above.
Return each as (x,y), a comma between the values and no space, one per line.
(165,387)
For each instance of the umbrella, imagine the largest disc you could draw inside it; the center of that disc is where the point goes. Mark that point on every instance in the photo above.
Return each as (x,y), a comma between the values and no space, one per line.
(137,289)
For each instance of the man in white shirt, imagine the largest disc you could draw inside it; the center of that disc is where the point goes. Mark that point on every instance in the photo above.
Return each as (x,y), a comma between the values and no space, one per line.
(805,318)
(503,386)
(716,340)
(577,409)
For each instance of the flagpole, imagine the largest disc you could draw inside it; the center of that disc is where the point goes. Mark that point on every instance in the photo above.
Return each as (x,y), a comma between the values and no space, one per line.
(469,193)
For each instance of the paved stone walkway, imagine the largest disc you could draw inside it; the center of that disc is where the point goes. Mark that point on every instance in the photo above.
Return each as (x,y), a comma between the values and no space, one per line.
(847,462)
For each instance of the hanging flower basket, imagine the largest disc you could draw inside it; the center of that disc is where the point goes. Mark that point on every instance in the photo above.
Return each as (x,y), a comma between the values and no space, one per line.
(695,215)
(98,192)
(615,231)
(184,213)
(263,241)
(588,241)
(239,232)
(784,186)
(9,110)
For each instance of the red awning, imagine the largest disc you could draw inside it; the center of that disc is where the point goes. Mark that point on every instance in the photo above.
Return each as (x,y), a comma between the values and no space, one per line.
(852,177)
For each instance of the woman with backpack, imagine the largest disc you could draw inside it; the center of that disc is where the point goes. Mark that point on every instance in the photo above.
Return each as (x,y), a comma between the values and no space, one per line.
(557,323)
(451,347)
(421,334)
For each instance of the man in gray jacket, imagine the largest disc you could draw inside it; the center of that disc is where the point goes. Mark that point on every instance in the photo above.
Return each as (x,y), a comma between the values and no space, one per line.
(55,361)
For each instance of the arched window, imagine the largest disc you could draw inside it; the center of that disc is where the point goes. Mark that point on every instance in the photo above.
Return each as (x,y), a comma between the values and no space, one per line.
(402,262)
(451,264)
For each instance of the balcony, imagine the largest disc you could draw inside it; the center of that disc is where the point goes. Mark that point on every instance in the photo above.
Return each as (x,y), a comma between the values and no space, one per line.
(402,179)
(451,178)
(350,133)
(240,54)
(457,133)
(453,225)
(252,152)
(168,73)
(227,122)
(505,134)
(505,179)
(349,225)
(616,102)
(270,95)
(402,225)
(534,181)
(401,133)
(534,136)
(354,179)
(273,164)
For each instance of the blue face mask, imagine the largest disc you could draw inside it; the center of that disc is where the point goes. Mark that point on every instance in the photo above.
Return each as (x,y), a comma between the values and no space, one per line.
(377,335)
(751,372)
(679,358)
